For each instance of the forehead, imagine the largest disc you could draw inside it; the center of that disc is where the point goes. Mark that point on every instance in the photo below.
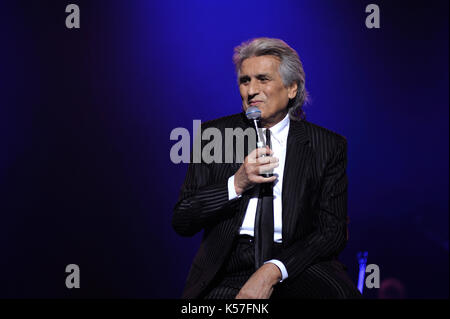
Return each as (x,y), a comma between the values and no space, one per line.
(260,64)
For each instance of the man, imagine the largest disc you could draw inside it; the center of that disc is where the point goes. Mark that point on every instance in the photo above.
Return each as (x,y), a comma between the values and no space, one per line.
(301,208)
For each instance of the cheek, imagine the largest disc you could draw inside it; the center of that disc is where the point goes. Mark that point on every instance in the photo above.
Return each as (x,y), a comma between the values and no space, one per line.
(243,92)
(282,93)
(277,95)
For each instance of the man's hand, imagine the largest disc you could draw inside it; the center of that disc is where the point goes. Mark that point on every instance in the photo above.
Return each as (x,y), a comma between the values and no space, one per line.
(255,164)
(260,284)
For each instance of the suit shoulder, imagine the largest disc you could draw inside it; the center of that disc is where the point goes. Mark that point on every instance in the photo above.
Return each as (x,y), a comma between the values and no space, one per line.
(320,135)
(222,122)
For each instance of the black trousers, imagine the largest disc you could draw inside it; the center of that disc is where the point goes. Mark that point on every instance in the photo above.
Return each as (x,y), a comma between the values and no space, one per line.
(323,280)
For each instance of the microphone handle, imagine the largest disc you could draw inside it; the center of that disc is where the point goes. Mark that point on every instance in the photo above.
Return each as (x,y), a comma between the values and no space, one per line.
(260,144)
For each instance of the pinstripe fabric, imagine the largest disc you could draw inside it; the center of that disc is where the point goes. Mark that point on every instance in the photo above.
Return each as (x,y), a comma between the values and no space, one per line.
(314,203)
(236,271)
(324,280)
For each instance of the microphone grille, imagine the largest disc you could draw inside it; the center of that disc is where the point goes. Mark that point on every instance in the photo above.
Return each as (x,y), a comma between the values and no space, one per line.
(253,113)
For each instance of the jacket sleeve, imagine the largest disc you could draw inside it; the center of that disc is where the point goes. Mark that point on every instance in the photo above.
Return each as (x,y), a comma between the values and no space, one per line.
(330,236)
(201,203)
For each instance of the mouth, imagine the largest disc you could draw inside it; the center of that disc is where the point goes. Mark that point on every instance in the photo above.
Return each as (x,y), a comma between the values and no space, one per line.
(255,103)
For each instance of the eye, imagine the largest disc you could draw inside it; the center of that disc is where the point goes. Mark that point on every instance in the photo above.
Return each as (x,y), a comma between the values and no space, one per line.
(244,80)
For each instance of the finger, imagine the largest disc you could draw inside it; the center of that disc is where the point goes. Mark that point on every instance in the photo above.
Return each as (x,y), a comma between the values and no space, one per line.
(251,158)
(267,168)
(267,159)
(252,154)
(260,179)
(258,169)
(258,153)
(264,151)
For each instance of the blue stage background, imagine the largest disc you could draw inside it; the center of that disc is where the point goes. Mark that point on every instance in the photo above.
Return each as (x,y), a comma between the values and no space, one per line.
(86,115)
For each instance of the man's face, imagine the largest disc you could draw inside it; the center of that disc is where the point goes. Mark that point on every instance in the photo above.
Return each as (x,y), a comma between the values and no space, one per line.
(260,85)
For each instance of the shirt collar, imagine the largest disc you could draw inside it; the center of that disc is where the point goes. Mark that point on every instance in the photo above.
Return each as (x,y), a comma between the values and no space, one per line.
(280,130)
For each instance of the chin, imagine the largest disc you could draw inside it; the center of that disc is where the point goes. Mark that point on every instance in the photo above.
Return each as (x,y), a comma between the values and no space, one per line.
(264,115)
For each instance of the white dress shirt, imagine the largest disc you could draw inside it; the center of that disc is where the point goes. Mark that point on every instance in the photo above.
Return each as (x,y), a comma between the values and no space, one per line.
(279,134)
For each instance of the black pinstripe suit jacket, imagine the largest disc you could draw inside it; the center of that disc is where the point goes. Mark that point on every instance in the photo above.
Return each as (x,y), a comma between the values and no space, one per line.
(314,201)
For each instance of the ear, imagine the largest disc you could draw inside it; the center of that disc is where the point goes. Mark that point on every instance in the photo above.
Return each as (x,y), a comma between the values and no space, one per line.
(292,90)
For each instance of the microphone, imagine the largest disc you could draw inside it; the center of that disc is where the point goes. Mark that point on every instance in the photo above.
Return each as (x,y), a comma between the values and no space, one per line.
(254,114)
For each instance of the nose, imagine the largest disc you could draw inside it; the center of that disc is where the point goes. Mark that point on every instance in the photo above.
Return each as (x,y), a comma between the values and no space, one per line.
(253,88)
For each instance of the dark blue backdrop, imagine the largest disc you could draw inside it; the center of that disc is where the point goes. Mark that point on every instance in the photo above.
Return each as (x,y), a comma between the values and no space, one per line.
(86,115)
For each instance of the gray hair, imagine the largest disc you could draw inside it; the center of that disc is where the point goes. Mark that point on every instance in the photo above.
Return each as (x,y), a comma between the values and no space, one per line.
(291,68)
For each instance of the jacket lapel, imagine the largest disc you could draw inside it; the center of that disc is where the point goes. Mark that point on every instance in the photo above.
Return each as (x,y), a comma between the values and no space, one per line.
(298,161)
